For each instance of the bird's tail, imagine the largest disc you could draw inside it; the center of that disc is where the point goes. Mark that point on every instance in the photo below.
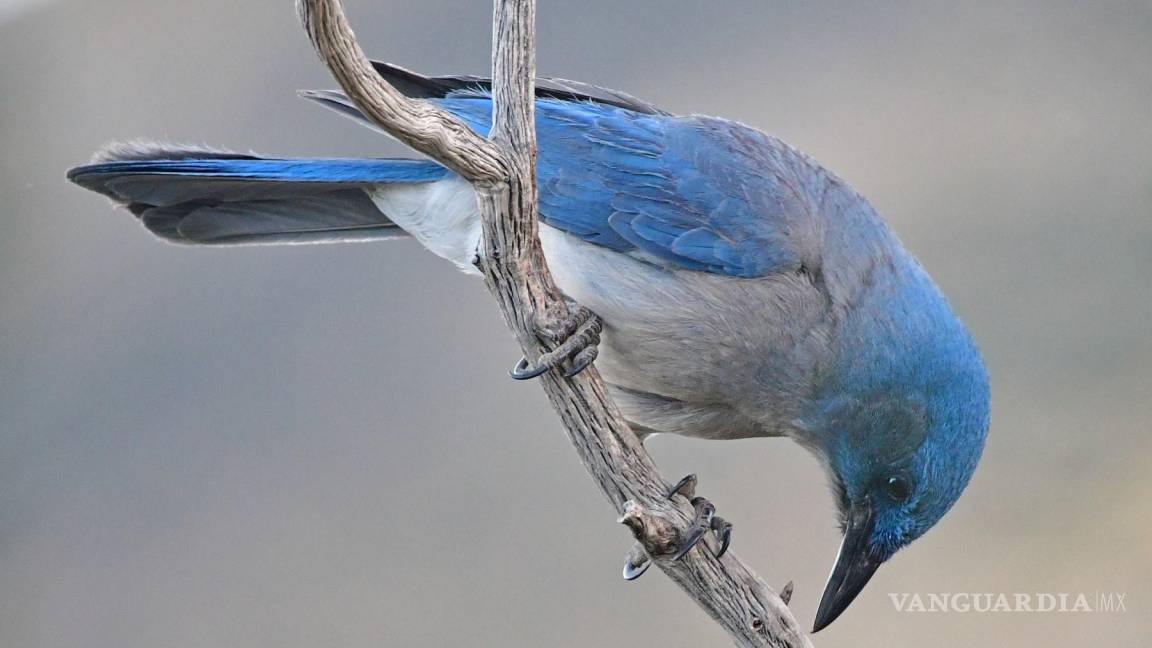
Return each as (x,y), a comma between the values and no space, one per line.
(211,197)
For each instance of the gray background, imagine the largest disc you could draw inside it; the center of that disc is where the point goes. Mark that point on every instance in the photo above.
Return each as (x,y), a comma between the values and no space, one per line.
(318,446)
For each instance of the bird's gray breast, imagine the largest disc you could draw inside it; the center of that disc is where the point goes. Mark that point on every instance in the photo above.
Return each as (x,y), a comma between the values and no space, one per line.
(695,353)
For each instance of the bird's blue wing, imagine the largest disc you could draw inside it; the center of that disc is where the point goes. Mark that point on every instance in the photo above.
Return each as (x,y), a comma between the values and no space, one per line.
(689,192)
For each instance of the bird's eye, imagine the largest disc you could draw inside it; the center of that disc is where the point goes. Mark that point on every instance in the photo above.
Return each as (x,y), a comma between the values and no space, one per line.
(896,488)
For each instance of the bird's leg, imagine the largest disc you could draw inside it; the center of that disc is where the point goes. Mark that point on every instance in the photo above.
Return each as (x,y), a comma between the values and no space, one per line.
(576,338)
(637,560)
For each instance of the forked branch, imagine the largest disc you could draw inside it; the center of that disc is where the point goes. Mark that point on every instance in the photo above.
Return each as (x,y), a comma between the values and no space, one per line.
(502,168)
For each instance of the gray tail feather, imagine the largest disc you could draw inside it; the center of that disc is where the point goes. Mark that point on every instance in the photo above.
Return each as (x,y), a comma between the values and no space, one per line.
(340,103)
(203,196)
(334,217)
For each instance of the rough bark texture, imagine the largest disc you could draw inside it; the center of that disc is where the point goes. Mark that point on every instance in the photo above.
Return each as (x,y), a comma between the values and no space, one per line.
(503,171)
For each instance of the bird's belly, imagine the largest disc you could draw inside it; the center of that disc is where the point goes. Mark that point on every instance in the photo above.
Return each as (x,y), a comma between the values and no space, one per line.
(685,352)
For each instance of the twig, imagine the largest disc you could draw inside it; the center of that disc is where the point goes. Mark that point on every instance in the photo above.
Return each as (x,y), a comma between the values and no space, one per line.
(503,171)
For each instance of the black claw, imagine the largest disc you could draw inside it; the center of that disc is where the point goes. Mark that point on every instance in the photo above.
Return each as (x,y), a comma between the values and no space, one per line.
(705,512)
(686,487)
(582,361)
(632,572)
(706,519)
(636,562)
(693,540)
(723,529)
(525,371)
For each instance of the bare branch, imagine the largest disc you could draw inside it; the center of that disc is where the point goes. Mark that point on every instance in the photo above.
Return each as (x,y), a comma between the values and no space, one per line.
(502,170)
(419,124)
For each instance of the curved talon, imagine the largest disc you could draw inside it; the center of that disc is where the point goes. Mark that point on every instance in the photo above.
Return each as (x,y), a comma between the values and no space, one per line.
(582,361)
(636,562)
(723,529)
(632,573)
(705,512)
(525,371)
(693,540)
(686,487)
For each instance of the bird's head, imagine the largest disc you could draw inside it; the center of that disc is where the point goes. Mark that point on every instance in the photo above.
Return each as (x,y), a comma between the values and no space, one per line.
(899,449)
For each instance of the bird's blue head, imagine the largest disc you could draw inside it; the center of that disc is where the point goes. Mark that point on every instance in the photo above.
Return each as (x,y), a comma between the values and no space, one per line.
(901,430)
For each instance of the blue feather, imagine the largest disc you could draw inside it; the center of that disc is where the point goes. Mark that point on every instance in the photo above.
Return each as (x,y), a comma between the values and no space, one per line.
(691,192)
(353,171)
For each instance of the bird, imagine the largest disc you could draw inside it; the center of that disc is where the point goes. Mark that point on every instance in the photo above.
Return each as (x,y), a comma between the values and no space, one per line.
(728,285)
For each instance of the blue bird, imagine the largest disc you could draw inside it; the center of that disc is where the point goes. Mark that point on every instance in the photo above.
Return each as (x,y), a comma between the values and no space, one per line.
(743,290)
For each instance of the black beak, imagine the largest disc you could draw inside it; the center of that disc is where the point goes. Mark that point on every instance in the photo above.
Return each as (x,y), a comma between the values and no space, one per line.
(854,566)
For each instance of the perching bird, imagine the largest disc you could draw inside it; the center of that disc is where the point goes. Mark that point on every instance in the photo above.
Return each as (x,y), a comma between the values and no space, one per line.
(744,290)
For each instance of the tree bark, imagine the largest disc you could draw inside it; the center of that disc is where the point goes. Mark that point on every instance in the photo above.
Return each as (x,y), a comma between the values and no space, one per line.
(502,169)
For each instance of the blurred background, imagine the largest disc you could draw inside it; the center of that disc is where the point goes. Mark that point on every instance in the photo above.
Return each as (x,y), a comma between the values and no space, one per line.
(319,446)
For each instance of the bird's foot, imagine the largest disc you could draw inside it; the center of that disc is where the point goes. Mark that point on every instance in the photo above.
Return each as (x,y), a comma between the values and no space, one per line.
(575,338)
(637,560)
